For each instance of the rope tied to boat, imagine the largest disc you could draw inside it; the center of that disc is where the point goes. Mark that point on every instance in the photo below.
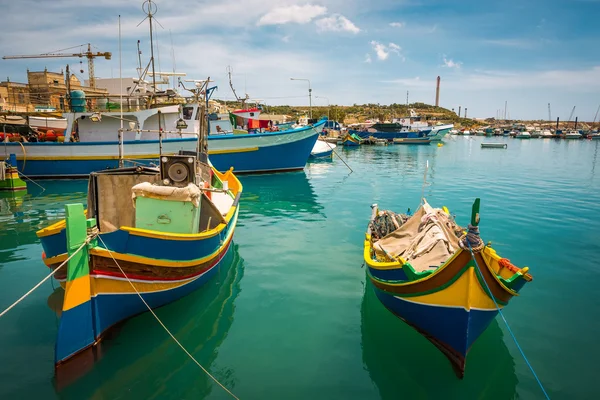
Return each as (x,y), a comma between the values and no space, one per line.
(471,239)
(51,274)
(163,325)
(489,292)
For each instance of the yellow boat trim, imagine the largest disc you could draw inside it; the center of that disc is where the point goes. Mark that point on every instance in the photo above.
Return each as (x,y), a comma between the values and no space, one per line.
(98,251)
(466,292)
(245,150)
(54,228)
(55,260)
(180,236)
(77,292)
(109,285)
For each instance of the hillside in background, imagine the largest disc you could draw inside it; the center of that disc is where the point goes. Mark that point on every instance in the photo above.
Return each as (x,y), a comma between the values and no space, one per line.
(361,112)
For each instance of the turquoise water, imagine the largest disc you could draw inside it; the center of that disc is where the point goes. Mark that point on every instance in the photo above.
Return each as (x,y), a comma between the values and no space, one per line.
(290,315)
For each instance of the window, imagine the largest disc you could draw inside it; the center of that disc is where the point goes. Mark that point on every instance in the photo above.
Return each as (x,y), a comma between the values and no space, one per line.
(188,112)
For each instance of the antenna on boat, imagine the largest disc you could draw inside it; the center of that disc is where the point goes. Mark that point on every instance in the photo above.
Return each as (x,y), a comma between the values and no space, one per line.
(229,71)
(149,7)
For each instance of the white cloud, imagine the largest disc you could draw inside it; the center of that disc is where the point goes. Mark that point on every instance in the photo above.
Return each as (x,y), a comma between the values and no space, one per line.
(286,39)
(336,23)
(297,14)
(448,62)
(396,24)
(380,50)
(383,52)
(368,58)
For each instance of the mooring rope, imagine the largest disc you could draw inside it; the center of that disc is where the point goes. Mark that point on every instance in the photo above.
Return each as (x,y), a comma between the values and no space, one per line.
(506,322)
(163,325)
(46,278)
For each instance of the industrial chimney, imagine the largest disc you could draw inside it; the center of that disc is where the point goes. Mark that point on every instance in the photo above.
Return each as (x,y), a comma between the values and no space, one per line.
(459,111)
(465,112)
(437,93)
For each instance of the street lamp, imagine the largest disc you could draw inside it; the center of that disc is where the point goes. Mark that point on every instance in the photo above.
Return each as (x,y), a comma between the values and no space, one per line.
(328,105)
(309,93)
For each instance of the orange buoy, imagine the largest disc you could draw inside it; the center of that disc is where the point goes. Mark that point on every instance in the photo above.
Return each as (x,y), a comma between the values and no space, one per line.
(208,193)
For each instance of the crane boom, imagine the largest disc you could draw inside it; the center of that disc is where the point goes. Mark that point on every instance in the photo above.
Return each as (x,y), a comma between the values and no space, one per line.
(88,54)
(572,112)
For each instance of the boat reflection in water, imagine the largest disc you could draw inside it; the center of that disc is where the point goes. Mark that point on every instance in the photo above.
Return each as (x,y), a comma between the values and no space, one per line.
(278,195)
(402,363)
(139,358)
(22,213)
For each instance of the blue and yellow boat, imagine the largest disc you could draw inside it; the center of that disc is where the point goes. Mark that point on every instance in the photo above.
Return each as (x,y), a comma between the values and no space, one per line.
(166,242)
(351,140)
(439,279)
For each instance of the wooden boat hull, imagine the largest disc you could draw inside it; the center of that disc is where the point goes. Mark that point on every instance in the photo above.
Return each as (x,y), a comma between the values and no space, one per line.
(163,267)
(450,306)
(349,141)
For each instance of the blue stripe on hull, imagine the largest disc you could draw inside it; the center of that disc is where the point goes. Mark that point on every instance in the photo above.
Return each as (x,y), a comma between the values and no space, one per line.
(287,156)
(75,332)
(454,327)
(54,245)
(396,274)
(122,242)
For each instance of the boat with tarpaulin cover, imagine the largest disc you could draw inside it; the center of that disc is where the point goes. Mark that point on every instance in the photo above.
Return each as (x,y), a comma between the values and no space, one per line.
(438,277)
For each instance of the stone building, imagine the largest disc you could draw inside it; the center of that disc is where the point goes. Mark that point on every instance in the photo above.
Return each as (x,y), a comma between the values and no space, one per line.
(49,89)
(14,97)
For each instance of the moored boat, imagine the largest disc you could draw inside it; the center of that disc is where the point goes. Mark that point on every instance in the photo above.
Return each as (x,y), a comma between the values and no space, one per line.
(322,149)
(572,135)
(10,180)
(523,135)
(444,282)
(169,241)
(351,140)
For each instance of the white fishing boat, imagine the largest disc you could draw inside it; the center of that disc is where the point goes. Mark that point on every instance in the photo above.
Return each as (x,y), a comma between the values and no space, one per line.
(546,134)
(572,135)
(322,149)
(523,135)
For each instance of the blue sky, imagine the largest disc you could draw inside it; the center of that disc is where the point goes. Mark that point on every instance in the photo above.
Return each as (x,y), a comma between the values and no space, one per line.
(528,52)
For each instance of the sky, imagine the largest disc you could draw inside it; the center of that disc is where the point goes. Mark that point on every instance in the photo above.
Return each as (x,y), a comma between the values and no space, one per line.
(527,53)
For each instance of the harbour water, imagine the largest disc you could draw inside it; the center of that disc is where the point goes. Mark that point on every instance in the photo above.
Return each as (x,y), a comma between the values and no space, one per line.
(291,316)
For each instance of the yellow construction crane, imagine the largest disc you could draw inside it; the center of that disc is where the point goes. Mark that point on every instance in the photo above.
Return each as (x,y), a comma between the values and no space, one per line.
(88,54)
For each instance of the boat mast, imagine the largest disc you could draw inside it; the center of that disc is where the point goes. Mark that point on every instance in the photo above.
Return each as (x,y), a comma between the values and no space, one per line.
(150,8)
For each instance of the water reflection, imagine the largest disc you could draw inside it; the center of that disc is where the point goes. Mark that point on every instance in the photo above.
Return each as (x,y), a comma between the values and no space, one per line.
(277,195)
(23,213)
(400,360)
(143,362)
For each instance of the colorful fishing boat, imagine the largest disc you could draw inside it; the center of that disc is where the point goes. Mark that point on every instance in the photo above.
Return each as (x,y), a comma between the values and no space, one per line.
(149,236)
(10,180)
(166,243)
(444,282)
(351,140)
